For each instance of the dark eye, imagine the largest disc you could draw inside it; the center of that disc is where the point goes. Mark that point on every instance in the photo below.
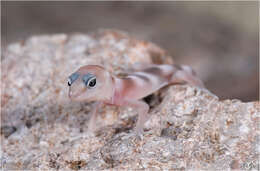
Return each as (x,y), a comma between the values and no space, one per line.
(89,80)
(92,82)
(69,82)
(73,77)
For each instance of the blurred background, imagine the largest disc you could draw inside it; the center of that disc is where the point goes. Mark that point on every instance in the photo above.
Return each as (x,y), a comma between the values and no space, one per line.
(218,39)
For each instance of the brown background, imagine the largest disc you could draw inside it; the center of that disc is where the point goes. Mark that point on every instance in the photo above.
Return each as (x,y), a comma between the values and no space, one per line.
(218,39)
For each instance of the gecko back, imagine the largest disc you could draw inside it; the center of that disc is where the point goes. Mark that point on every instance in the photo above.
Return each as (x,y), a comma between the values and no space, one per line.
(150,79)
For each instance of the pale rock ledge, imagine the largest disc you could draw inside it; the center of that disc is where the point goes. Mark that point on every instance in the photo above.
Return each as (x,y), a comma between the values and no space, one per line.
(41,129)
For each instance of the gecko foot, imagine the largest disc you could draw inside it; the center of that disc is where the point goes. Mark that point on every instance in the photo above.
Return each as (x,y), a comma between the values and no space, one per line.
(139,133)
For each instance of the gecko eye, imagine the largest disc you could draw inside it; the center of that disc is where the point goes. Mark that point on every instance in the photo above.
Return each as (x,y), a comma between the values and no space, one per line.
(92,82)
(69,82)
(89,80)
(72,78)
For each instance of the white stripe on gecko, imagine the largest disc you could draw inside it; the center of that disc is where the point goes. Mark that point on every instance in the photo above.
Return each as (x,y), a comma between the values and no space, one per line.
(153,79)
(166,69)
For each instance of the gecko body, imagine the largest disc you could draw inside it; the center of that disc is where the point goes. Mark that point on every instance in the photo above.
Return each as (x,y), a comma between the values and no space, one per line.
(95,83)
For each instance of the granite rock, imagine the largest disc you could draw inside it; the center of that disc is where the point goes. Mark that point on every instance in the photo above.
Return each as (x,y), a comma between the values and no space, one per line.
(41,128)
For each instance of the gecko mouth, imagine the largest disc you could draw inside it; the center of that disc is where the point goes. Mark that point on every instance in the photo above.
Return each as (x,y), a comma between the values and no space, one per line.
(76,96)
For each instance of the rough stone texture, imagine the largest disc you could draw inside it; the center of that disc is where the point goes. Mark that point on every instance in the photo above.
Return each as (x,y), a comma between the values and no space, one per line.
(189,128)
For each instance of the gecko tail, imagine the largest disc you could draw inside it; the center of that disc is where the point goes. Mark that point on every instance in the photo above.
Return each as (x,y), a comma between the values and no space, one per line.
(185,74)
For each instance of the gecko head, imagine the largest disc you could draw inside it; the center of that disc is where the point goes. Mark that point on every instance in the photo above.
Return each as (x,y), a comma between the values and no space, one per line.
(90,83)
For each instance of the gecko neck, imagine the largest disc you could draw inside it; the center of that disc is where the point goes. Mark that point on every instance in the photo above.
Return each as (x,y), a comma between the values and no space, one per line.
(116,92)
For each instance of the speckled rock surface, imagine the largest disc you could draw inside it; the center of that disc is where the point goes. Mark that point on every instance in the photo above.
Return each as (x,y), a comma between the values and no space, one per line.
(188,128)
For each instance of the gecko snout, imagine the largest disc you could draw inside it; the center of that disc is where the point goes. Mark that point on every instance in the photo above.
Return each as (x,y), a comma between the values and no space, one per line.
(73,94)
(77,93)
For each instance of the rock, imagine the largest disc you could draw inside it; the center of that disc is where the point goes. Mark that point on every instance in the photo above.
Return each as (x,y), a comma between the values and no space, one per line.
(189,128)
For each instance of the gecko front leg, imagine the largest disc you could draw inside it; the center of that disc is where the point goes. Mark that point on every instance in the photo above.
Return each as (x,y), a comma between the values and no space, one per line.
(93,117)
(142,109)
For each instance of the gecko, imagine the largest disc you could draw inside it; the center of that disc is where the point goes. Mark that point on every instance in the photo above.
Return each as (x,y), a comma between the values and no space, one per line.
(94,83)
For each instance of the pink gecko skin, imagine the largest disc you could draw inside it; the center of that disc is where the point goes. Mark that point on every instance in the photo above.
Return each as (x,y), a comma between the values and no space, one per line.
(94,83)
